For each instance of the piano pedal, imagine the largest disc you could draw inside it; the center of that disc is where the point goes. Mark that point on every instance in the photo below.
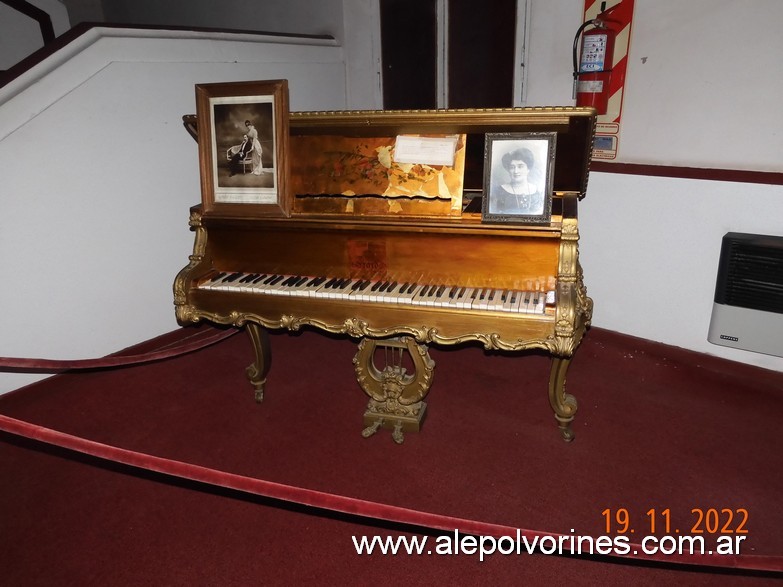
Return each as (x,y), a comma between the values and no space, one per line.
(399,424)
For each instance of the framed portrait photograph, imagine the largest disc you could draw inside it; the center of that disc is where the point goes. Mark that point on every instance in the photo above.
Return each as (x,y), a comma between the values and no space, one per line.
(242,142)
(518,172)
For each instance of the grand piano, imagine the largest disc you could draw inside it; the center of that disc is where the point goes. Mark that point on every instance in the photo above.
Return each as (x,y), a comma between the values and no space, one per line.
(401,273)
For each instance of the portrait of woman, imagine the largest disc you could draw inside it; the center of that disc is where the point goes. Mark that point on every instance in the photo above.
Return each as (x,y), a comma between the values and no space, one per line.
(518,177)
(517,195)
(256,150)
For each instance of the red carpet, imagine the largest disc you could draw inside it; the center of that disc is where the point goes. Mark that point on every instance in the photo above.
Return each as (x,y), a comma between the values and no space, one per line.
(657,428)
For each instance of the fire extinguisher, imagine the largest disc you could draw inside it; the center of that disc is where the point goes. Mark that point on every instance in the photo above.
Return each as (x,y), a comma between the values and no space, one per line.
(592,74)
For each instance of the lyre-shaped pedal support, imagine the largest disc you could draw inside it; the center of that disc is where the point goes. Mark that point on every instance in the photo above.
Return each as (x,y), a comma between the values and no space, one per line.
(396,396)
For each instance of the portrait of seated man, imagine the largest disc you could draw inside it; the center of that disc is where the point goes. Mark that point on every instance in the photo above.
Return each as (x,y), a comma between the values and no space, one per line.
(237,154)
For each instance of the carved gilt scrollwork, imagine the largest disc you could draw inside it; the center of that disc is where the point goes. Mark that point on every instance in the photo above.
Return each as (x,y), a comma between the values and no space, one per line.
(360,329)
(185,313)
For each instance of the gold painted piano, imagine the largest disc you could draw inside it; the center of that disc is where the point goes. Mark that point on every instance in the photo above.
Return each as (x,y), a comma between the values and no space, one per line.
(402,273)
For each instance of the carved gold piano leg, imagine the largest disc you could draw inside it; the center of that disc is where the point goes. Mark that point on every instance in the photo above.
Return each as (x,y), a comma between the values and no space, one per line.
(395,395)
(258,369)
(563,404)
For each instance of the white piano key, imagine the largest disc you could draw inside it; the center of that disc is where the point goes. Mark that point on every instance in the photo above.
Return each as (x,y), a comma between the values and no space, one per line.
(392,293)
(531,302)
(406,297)
(480,303)
(495,300)
(442,296)
(540,297)
(511,297)
(452,297)
(464,297)
(384,291)
(343,292)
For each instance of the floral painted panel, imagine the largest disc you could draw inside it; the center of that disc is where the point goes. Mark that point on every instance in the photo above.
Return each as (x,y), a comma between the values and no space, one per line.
(328,165)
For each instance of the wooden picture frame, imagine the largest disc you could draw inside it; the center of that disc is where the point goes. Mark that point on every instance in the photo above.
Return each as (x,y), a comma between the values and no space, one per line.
(243,144)
(518,177)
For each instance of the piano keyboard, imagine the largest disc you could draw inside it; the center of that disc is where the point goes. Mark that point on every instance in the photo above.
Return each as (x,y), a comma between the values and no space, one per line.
(534,301)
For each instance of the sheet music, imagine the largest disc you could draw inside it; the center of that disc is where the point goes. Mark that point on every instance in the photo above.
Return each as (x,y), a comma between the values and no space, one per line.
(425,150)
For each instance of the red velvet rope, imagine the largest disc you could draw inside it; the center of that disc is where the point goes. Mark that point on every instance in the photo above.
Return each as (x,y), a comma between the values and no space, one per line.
(347,505)
(55,365)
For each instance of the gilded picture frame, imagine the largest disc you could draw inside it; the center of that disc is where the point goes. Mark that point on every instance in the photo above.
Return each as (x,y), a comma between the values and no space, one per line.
(243,143)
(518,177)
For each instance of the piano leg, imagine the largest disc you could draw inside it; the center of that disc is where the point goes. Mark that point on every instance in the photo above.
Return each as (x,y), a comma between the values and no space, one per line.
(258,369)
(563,404)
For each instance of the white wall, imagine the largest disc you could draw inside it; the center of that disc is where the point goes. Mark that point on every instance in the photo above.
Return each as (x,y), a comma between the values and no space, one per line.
(98,175)
(711,73)
(20,35)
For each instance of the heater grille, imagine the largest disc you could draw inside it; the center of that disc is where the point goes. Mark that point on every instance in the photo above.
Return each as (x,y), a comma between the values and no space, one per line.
(750,274)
